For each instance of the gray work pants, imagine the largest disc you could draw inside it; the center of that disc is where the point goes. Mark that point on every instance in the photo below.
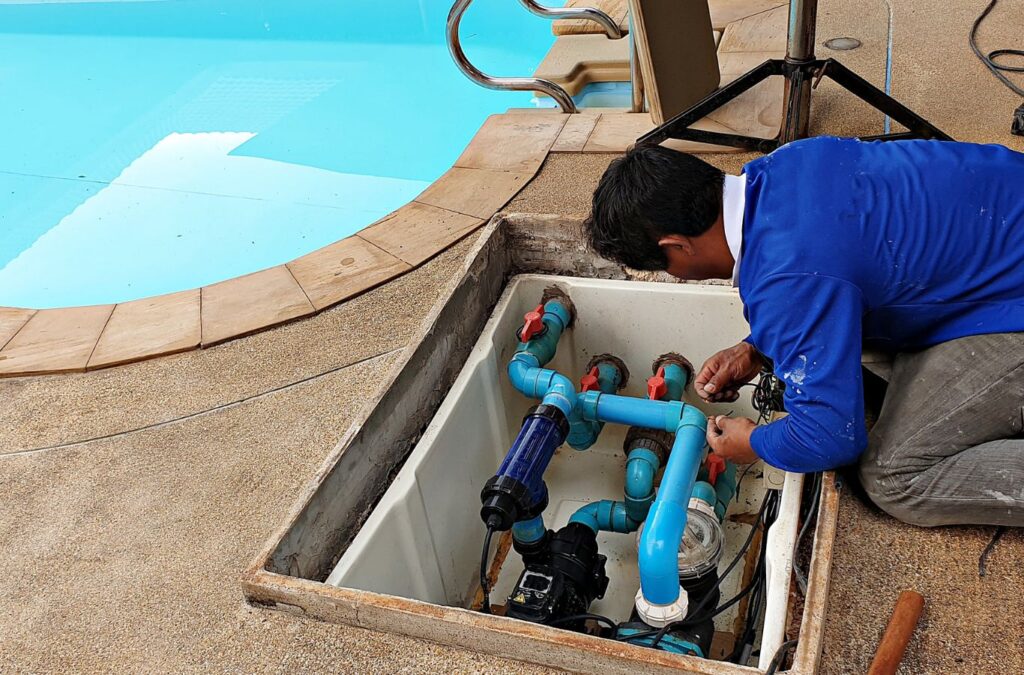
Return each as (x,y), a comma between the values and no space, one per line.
(948,447)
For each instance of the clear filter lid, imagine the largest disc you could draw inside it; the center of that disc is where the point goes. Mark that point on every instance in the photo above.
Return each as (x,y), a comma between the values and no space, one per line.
(701,548)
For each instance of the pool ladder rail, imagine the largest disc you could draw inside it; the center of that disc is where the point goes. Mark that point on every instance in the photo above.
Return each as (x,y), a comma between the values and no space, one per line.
(560,95)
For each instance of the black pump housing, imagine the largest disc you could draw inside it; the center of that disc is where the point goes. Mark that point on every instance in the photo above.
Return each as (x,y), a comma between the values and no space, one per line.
(561,582)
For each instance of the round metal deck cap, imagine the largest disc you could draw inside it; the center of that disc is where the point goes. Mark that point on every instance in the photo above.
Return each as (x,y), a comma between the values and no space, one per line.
(842,44)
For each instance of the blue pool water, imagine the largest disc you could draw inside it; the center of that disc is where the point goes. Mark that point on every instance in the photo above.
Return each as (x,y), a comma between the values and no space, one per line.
(149,146)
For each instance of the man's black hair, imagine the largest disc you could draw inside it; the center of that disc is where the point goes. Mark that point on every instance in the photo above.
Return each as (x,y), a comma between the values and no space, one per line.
(649,192)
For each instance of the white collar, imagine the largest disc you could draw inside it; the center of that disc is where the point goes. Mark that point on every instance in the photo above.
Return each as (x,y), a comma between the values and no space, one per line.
(734,197)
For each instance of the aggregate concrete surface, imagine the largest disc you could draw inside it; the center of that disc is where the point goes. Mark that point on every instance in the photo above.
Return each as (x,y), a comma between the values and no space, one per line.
(124,552)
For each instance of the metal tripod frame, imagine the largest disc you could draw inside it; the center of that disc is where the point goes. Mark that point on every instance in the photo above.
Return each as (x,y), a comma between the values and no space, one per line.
(803,72)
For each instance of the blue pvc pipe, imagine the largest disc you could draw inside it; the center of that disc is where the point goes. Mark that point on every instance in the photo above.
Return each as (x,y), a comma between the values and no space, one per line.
(584,433)
(555,318)
(561,393)
(723,490)
(525,369)
(551,387)
(676,379)
(666,522)
(638,412)
(528,531)
(705,492)
(605,516)
(641,467)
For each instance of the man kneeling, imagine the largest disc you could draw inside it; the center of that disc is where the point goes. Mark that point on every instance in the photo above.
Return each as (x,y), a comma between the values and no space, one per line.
(912,247)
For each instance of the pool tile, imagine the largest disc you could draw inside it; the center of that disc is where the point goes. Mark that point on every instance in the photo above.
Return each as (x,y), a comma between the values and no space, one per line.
(575,61)
(55,340)
(417,232)
(343,269)
(250,303)
(734,64)
(144,328)
(757,33)
(616,9)
(756,112)
(11,321)
(724,12)
(474,192)
(513,141)
(575,133)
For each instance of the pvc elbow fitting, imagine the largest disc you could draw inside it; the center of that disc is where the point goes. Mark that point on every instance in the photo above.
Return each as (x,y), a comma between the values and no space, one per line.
(605,516)
(561,393)
(641,467)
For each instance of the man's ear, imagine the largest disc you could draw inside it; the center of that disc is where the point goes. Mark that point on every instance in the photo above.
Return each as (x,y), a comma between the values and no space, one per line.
(677,243)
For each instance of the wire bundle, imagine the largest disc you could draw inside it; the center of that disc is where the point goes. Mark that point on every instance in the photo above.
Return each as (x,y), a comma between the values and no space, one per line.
(768,396)
(999,69)
(990,59)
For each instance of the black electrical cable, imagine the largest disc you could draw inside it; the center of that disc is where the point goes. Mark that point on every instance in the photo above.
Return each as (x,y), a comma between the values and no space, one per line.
(767,396)
(765,505)
(983,558)
(746,641)
(798,573)
(743,475)
(780,654)
(580,617)
(485,606)
(759,582)
(990,59)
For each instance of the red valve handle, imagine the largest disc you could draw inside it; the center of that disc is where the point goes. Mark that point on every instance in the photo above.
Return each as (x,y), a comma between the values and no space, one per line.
(716,467)
(533,325)
(589,381)
(656,387)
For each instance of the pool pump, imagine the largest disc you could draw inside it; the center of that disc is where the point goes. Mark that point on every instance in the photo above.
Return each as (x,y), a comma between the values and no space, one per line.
(564,571)
(561,579)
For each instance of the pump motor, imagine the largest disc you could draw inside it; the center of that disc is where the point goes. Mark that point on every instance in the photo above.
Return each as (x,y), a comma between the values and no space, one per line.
(562,581)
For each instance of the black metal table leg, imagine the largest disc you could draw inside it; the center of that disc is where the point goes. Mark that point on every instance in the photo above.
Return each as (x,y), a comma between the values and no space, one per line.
(918,127)
(678,127)
(799,68)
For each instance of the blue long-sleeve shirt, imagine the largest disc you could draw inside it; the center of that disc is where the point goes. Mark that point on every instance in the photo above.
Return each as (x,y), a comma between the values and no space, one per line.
(899,245)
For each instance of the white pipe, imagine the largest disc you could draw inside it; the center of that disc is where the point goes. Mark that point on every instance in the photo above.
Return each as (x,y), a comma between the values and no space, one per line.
(779,567)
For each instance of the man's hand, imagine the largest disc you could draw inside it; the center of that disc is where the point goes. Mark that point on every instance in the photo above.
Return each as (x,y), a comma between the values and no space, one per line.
(721,375)
(729,438)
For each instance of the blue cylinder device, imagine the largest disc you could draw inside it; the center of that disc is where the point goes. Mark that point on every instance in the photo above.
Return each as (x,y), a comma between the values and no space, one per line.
(517,491)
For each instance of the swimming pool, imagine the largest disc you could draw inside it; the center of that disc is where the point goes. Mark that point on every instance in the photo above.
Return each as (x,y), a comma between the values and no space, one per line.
(149,146)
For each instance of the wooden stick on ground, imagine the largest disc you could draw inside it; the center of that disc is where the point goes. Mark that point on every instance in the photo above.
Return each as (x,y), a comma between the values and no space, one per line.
(897,634)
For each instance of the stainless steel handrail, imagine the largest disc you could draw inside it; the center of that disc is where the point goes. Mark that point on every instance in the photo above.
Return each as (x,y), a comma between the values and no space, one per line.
(636,77)
(611,28)
(560,95)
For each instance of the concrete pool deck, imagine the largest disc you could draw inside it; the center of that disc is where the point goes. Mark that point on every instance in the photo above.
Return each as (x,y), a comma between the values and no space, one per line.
(134,497)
